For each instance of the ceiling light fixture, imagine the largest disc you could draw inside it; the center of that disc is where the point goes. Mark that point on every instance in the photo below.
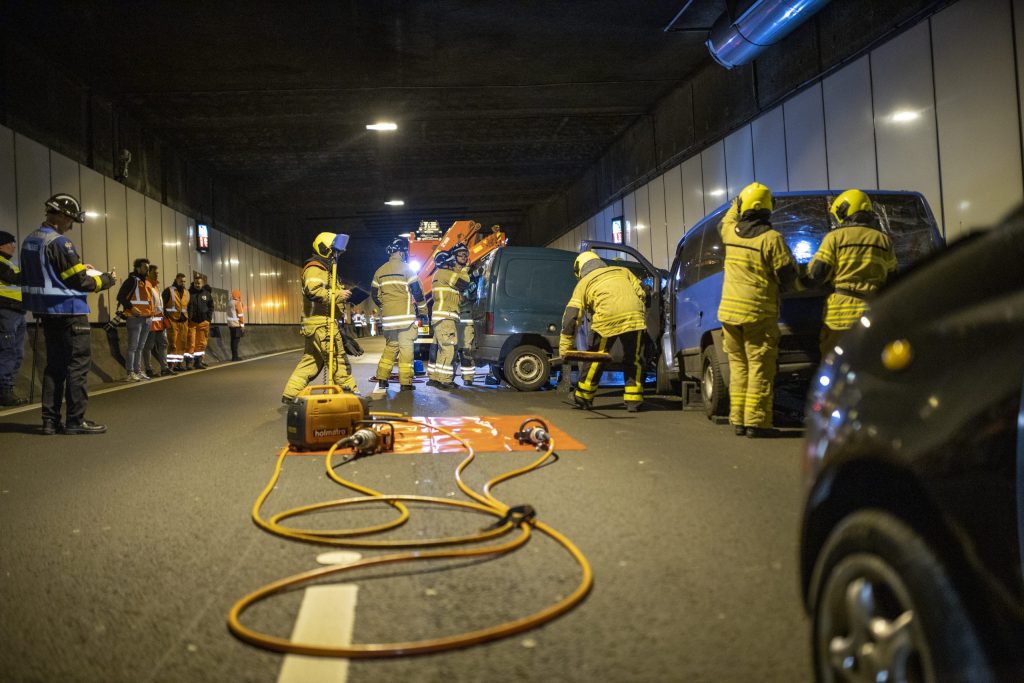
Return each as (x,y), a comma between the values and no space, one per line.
(383,125)
(395,202)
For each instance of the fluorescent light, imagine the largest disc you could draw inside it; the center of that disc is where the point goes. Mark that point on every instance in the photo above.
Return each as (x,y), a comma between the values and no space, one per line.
(639,226)
(904,116)
(716,193)
(91,214)
(406,235)
(382,125)
(395,202)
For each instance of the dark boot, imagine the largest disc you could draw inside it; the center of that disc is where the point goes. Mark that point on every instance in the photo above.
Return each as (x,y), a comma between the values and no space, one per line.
(86,427)
(761,433)
(408,387)
(633,406)
(740,430)
(50,428)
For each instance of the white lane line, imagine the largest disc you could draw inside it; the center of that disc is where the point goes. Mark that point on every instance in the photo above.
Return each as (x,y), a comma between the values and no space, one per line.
(326,617)
(136,385)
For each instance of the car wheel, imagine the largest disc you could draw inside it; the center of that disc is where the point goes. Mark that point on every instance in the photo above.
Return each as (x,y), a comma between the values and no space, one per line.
(664,384)
(885,608)
(712,385)
(527,368)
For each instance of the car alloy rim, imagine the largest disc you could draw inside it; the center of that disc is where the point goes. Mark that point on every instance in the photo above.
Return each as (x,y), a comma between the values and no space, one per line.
(868,632)
(527,368)
(709,382)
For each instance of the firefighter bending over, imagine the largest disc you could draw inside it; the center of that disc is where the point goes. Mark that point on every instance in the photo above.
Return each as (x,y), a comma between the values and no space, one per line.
(449,282)
(614,299)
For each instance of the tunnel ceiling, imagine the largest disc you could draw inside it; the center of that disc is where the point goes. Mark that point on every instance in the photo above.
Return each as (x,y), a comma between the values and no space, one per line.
(499,104)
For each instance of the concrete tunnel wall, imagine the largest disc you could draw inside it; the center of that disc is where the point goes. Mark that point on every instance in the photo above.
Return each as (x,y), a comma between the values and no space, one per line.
(954,79)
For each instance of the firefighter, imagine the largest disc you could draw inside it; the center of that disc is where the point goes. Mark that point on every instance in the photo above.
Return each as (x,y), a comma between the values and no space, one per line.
(614,300)
(200,316)
(54,286)
(856,258)
(467,333)
(446,289)
(176,315)
(398,294)
(757,263)
(316,325)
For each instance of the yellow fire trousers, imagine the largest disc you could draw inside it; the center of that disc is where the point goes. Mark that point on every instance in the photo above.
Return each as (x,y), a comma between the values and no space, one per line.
(753,349)
(399,346)
(314,357)
(445,336)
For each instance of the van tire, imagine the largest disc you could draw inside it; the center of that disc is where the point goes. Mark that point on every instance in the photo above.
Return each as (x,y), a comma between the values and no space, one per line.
(527,368)
(665,385)
(712,386)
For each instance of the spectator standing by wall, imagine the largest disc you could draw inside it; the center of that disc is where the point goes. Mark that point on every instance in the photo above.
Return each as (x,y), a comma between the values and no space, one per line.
(175,300)
(136,299)
(236,322)
(200,315)
(54,286)
(12,322)
(156,342)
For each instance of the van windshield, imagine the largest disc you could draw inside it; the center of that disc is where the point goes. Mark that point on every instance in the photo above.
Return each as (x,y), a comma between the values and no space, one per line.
(804,221)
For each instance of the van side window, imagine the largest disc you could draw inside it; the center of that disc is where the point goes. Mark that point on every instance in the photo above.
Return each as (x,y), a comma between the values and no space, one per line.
(535,279)
(712,254)
(689,259)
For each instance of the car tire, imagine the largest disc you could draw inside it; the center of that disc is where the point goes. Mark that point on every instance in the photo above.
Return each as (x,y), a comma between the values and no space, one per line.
(883,601)
(712,385)
(664,384)
(526,368)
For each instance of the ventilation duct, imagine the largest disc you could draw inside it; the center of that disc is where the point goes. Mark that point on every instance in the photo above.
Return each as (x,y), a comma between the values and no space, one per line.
(764,23)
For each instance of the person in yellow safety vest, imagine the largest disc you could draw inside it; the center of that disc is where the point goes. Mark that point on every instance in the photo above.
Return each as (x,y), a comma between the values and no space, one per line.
(136,299)
(156,342)
(316,292)
(446,289)
(757,263)
(614,299)
(857,258)
(176,314)
(397,292)
(12,322)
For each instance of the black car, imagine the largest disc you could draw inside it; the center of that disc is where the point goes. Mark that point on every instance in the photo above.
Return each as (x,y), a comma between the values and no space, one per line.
(911,545)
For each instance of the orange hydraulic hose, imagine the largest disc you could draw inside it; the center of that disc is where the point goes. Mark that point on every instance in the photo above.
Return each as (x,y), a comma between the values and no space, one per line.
(486,503)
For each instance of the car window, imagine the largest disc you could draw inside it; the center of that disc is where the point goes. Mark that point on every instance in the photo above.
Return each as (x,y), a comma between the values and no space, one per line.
(803,223)
(905,218)
(689,259)
(538,280)
(485,277)
(712,255)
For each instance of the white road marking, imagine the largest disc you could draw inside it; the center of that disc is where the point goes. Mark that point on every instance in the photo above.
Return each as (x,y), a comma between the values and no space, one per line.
(338,557)
(136,385)
(326,617)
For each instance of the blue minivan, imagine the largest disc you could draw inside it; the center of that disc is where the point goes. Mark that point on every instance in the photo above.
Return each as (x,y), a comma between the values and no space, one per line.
(692,335)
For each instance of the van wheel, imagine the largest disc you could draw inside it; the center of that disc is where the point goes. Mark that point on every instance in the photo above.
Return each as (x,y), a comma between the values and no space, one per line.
(664,384)
(712,386)
(527,368)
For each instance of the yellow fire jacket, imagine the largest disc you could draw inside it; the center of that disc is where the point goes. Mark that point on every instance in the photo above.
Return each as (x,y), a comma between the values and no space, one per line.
(398,294)
(611,295)
(857,260)
(446,289)
(757,260)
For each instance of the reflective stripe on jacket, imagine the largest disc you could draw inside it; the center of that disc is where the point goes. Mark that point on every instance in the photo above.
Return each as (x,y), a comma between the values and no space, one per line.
(176,303)
(857,260)
(50,266)
(10,284)
(446,290)
(395,290)
(317,293)
(750,289)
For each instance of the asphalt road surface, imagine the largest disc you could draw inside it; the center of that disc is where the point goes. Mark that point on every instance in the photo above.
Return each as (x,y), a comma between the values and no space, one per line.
(121,554)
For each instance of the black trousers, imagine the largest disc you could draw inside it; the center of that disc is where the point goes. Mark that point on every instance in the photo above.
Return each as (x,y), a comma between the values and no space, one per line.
(236,336)
(68,355)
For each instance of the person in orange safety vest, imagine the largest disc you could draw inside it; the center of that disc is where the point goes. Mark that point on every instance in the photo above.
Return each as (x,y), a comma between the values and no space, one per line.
(236,322)
(137,300)
(156,342)
(176,316)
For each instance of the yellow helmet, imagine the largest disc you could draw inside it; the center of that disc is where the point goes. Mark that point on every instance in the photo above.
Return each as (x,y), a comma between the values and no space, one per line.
(755,197)
(322,244)
(583,259)
(849,203)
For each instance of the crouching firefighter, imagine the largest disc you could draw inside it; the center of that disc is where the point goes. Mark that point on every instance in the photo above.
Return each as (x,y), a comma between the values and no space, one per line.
(613,298)
(446,289)
(316,321)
